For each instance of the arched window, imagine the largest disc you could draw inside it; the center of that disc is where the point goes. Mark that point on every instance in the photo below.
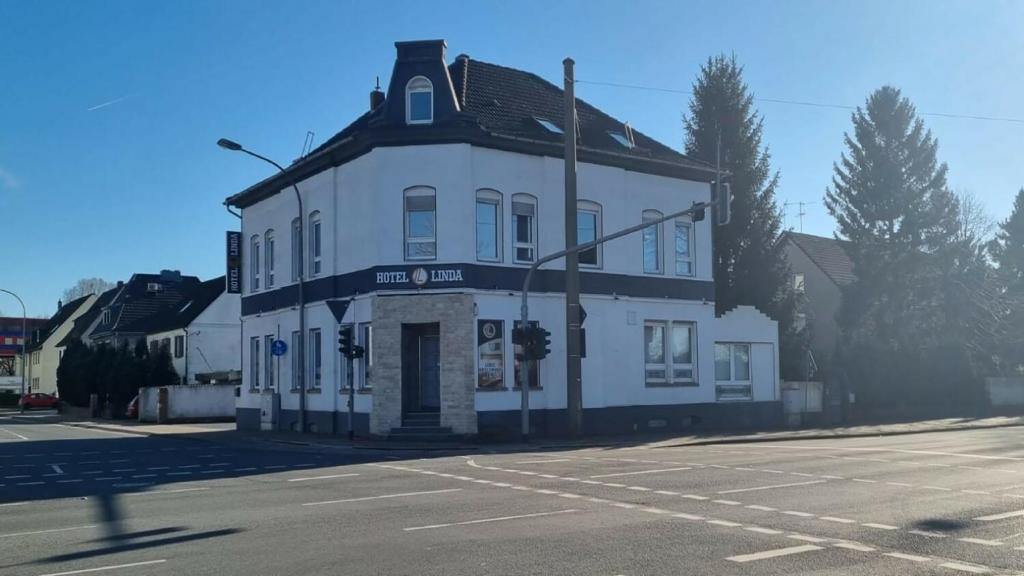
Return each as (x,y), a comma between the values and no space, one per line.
(488,225)
(652,243)
(524,228)
(315,246)
(268,258)
(419,101)
(588,228)
(254,263)
(420,224)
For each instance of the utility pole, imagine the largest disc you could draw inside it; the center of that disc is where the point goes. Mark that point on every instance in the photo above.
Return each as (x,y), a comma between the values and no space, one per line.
(573,363)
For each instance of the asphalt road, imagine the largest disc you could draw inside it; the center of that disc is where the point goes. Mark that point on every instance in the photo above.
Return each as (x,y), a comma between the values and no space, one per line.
(78,501)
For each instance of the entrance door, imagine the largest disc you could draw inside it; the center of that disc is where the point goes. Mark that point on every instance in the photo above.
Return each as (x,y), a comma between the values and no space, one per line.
(421,368)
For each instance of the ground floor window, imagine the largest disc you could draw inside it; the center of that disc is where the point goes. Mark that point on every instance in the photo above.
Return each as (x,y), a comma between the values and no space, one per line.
(179,346)
(315,359)
(732,371)
(254,363)
(366,341)
(268,364)
(296,352)
(490,348)
(669,353)
(534,375)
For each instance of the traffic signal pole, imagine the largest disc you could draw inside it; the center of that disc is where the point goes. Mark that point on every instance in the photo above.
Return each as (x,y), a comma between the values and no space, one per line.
(524,372)
(573,362)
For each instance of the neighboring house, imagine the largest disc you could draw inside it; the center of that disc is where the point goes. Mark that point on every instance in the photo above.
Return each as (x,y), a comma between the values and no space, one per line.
(10,349)
(85,322)
(43,351)
(123,319)
(820,268)
(421,220)
(201,333)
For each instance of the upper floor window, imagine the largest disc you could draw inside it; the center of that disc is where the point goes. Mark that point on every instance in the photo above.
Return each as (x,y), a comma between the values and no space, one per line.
(254,264)
(488,225)
(524,228)
(268,259)
(652,243)
(296,250)
(684,248)
(419,101)
(106,316)
(315,247)
(588,229)
(420,224)
(798,283)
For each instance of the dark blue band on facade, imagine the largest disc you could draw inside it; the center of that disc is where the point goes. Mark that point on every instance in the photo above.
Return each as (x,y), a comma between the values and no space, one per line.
(475,276)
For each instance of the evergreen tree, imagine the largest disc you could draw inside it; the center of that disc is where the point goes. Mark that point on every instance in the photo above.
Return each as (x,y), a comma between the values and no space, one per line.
(749,265)
(891,202)
(1007,251)
(161,369)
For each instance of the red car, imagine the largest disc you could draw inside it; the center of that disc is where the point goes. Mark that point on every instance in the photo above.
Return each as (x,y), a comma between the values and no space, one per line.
(38,400)
(133,408)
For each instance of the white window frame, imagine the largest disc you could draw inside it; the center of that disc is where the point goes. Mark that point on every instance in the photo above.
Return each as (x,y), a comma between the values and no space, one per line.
(315,360)
(418,192)
(268,362)
(669,366)
(254,263)
(254,362)
(179,345)
(732,383)
(315,248)
(296,353)
(492,198)
(516,244)
(364,335)
(297,258)
(268,258)
(676,257)
(799,283)
(647,216)
(590,207)
(416,85)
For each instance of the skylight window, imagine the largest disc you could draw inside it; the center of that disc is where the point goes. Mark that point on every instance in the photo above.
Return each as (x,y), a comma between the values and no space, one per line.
(622,139)
(548,125)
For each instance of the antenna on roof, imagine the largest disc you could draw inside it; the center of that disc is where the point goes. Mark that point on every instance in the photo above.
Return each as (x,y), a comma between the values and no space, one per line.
(800,211)
(629,135)
(307,145)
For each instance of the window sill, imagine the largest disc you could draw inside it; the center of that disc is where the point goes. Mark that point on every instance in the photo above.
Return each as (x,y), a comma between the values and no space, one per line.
(532,389)
(502,389)
(671,384)
(255,390)
(364,390)
(314,390)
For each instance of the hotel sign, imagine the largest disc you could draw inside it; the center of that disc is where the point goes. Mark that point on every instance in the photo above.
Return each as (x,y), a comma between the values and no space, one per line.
(420,277)
(233,275)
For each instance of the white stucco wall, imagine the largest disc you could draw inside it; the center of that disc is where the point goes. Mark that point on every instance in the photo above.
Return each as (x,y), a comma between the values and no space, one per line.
(49,354)
(189,402)
(211,340)
(745,324)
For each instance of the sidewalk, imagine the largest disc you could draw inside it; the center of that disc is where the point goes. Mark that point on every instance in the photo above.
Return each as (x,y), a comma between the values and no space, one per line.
(226,433)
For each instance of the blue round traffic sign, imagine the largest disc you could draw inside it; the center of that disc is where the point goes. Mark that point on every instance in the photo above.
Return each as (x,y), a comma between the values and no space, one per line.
(278,347)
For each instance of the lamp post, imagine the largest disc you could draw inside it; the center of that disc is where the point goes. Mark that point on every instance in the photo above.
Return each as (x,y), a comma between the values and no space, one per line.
(236,147)
(24,337)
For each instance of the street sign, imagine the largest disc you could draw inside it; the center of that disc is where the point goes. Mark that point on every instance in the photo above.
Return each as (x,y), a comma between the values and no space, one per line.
(278,347)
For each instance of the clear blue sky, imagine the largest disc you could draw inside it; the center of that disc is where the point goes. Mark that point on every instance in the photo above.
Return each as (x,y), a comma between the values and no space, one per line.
(88,189)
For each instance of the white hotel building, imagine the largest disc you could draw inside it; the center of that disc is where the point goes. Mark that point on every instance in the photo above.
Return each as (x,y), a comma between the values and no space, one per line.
(421,219)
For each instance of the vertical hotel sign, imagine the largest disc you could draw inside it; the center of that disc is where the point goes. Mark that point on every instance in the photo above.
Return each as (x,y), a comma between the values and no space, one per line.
(233,275)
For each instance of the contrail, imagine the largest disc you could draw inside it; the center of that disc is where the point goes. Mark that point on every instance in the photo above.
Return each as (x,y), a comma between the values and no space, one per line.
(105,104)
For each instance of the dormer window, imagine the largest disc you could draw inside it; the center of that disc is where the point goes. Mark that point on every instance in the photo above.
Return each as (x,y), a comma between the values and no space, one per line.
(548,125)
(154,287)
(622,139)
(419,101)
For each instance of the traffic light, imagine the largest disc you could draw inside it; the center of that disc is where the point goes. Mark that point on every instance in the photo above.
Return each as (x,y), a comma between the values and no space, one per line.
(357,352)
(539,343)
(698,215)
(345,341)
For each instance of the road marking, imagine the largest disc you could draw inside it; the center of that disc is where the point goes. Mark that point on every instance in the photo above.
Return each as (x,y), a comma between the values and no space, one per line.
(30,483)
(760,530)
(143,475)
(900,451)
(216,464)
(1002,516)
(249,469)
(546,461)
(165,491)
(799,514)
(693,497)
(124,470)
(854,546)
(57,469)
(928,534)
(15,434)
(383,496)
(160,468)
(642,472)
(13,504)
(686,516)
(880,526)
(102,568)
(46,531)
(17,476)
(738,490)
(727,502)
(864,480)
(275,467)
(981,541)
(726,523)
(485,520)
(806,538)
(774,553)
(903,556)
(837,520)
(965,567)
(186,473)
(107,478)
(762,508)
(69,481)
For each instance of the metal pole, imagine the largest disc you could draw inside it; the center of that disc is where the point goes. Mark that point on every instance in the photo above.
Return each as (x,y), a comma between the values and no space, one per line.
(302,301)
(24,337)
(573,363)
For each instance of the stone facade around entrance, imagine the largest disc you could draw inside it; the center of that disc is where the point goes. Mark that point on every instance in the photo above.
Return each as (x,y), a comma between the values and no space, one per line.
(454,314)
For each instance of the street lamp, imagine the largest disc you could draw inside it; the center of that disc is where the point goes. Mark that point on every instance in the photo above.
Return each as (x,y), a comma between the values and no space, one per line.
(236,147)
(24,337)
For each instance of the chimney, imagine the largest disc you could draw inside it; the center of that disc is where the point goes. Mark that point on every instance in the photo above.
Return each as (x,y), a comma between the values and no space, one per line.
(60,304)
(120,283)
(376,97)
(422,50)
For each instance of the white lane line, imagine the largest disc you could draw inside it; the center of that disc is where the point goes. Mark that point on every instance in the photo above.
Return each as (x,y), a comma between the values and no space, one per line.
(774,553)
(383,496)
(47,531)
(1003,516)
(56,468)
(880,526)
(546,461)
(100,479)
(164,491)
(761,530)
(17,476)
(617,474)
(726,523)
(854,546)
(903,556)
(323,477)
(864,480)
(738,490)
(247,469)
(799,514)
(727,502)
(186,473)
(275,467)
(762,508)
(686,516)
(137,476)
(485,520)
(69,481)
(8,504)
(928,534)
(837,520)
(805,538)
(159,468)
(924,452)
(102,568)
(30,483)
(693,497)
(15,434)
(965,567)
(981,541)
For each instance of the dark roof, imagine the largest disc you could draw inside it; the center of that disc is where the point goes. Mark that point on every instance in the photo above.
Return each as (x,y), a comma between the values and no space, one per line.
(182,315)
(495,106)
(135,304)
(828,254)
(86,319)
(55,322)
